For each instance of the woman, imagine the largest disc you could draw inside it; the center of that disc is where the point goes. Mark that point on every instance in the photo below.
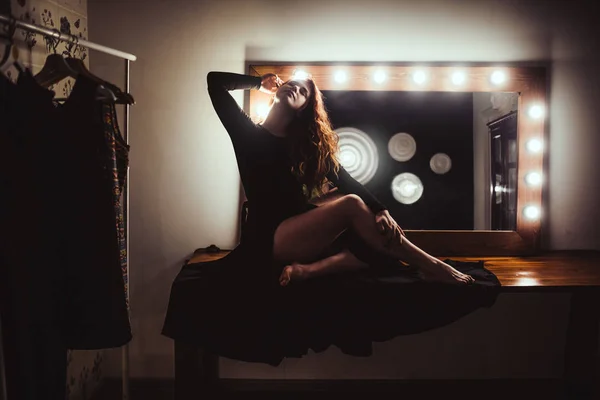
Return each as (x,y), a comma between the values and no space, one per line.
(288,159)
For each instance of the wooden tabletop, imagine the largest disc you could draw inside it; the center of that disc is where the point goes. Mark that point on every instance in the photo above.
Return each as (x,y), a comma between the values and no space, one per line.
(554,271)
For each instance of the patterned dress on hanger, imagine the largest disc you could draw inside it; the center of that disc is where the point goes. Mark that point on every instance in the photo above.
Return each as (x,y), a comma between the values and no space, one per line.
(118,160)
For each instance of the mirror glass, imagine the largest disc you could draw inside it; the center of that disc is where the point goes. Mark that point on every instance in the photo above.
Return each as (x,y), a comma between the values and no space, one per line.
(437,160)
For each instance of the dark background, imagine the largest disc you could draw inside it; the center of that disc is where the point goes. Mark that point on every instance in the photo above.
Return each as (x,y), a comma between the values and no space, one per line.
(439,122)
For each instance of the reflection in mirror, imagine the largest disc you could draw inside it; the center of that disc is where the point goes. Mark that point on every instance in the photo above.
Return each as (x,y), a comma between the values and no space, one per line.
(438,160)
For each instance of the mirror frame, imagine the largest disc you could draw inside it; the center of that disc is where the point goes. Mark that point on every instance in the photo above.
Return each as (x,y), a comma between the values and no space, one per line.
(528,81)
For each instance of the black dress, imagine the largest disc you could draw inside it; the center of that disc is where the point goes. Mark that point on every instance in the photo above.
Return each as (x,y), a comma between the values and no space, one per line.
(273,192)
(61,283)
(234,306)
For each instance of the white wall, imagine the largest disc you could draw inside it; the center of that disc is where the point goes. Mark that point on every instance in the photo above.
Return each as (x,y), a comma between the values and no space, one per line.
(184,183)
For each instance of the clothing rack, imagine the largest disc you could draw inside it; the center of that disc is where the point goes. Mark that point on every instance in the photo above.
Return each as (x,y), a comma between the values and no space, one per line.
(11,21)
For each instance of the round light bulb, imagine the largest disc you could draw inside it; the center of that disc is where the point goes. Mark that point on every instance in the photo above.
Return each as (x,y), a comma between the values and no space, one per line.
(459,77)
(536,111)
(340,76)
(535,145)
(379,76)
(419,77)
(407,189)
(347,158)
(531,212)
(263,110)
(300,75)
(533,178)
(498,77)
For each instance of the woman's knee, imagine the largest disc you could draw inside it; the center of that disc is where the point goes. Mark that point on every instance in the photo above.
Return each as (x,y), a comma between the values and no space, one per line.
(353,204)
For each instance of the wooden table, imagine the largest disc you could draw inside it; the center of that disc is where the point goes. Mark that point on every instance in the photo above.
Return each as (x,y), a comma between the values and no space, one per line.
(574,272)
(564,270)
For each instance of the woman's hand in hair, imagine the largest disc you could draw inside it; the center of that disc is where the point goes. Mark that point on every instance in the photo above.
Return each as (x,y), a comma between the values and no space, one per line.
(388,226)
(270,83)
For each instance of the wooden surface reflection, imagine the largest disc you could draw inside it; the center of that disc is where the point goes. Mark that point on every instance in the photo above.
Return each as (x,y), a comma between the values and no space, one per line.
(553,270)
(550,270)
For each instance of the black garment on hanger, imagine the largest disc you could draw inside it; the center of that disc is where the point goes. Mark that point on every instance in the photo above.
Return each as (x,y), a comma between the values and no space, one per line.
(31,280)
(61,279)
(96,310)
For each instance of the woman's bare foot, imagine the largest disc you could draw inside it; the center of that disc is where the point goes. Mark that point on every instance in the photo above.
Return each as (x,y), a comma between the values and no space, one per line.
(432,269)
(293,272)
(441,272)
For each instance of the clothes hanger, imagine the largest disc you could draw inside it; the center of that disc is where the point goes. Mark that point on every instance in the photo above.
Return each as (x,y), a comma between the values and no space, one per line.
(79,66)
(56,68)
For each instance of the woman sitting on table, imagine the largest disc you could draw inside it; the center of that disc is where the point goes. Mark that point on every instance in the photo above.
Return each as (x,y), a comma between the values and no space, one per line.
(286,161)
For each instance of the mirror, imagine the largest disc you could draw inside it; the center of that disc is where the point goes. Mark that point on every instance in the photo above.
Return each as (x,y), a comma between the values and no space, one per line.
(438,160)
(455,152)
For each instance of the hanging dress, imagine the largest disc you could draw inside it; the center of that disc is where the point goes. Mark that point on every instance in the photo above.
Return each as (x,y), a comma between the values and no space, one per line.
(117,157)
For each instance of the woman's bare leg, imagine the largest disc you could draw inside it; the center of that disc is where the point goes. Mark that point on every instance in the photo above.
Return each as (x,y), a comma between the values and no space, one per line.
(304,237)
(343,261)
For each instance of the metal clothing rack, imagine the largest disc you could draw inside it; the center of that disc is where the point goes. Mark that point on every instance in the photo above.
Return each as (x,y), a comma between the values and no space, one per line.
(8,20)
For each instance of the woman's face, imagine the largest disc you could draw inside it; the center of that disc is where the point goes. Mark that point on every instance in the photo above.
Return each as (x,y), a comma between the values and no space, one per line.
(294,94)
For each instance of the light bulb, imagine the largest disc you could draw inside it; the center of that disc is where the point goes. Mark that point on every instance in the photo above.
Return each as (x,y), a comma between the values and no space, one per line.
(299,74)
(263,110)
(419,77)
(340,76)
(533,178)
(535,145)
(379,76)
(498,77)
(536,111)
(531,212)
(458,78)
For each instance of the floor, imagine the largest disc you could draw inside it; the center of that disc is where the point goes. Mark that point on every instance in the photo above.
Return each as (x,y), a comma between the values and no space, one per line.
(421,390)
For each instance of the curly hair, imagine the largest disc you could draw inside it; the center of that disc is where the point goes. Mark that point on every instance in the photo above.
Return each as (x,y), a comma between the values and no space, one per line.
(313,144)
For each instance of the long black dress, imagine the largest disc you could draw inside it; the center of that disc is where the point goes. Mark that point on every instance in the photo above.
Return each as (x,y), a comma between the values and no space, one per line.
(273,193)
(61,285)
(234,306)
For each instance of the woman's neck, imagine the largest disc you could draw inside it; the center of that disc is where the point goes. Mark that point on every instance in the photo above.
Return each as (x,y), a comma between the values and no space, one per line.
(277,122)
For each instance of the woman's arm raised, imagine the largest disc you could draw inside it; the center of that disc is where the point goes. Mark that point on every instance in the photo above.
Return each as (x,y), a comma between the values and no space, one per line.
(234,119)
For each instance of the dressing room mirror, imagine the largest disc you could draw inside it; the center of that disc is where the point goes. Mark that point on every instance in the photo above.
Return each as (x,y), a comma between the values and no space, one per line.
(455,152)
(437,160)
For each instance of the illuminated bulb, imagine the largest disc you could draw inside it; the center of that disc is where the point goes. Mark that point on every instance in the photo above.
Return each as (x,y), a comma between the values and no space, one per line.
(498,77)
(419,77)
(534,145)
(458,78)
(531,212)
(300,75)
(498,189)
(536,112)
(340,76)
(407,189)
(379,76)
(533,178)
(347,158)
(262,110)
